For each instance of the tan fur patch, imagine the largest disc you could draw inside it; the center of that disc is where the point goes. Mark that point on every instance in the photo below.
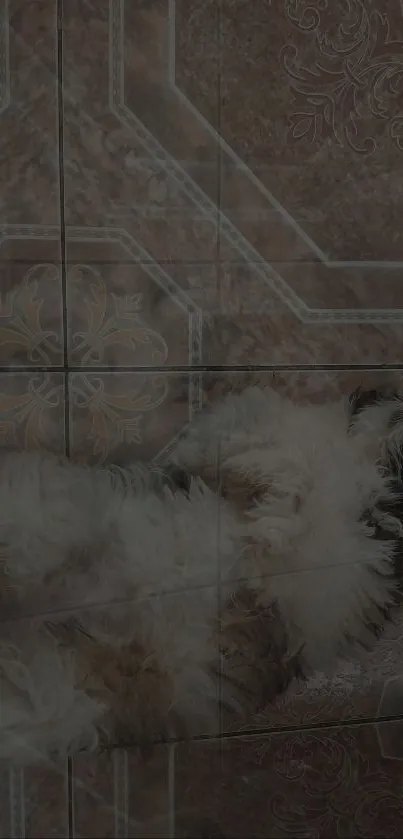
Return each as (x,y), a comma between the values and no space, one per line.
(256,663)
(240,490)
(129,679)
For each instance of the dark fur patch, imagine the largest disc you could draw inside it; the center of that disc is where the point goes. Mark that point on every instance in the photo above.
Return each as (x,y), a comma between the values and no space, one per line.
(361,399)
(175,478)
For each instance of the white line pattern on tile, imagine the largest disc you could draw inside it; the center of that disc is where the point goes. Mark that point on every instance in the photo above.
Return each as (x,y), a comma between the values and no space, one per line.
(204,204)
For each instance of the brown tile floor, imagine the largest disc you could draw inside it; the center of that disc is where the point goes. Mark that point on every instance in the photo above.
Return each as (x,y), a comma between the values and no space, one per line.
(332,782)
(216,184)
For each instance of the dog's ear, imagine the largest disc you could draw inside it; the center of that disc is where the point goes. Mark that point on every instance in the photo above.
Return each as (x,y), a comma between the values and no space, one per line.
(376,418)
(360,398)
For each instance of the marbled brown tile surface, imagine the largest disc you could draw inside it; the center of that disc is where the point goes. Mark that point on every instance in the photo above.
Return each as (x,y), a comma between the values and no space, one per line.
(187,184)
(331,782)
(321,113)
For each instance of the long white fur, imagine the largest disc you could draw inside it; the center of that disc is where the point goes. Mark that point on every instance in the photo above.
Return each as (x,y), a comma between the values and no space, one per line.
(318,557)
(116,550)
(42,712)
(85,540)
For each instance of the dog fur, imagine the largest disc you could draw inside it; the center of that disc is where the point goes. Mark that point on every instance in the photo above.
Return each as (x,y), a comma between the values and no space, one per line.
(136,601)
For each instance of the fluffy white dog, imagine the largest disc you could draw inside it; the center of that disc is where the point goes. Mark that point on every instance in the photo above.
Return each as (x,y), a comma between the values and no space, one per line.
(135,602)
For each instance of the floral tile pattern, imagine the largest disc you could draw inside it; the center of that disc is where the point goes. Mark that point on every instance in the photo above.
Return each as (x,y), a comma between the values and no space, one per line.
(327,132)
(121,417)
(329,782)
(186,186)
(32,411)
(367,686)
(31,330)
(130,314)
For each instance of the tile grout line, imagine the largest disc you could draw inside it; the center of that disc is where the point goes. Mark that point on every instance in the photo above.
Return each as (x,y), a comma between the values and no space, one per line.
(62,210)
(171,790)
(219,590)
(70,798)
(60,133)
(219,160)
(219,275)
(201,368)
(17,803)
(121,791)
(267,731)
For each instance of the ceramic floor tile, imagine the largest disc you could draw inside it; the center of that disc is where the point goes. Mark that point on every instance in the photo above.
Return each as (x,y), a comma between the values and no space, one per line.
(125,150)
(122,793)
(366,686)
(347,214)
(29,147)
(127,314)
(374,291)
(5,809)
(149,794)
(121,417)
(111,182)
(95,785)
(325,145)
(147,41)
(253,224)
(32,411)
(332,782)
(44,802)
(196,75)
(158,40)
(313,386)
(31,330)
(302,314)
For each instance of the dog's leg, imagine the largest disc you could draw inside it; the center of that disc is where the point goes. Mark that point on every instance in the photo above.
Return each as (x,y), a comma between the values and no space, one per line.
(42,713)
